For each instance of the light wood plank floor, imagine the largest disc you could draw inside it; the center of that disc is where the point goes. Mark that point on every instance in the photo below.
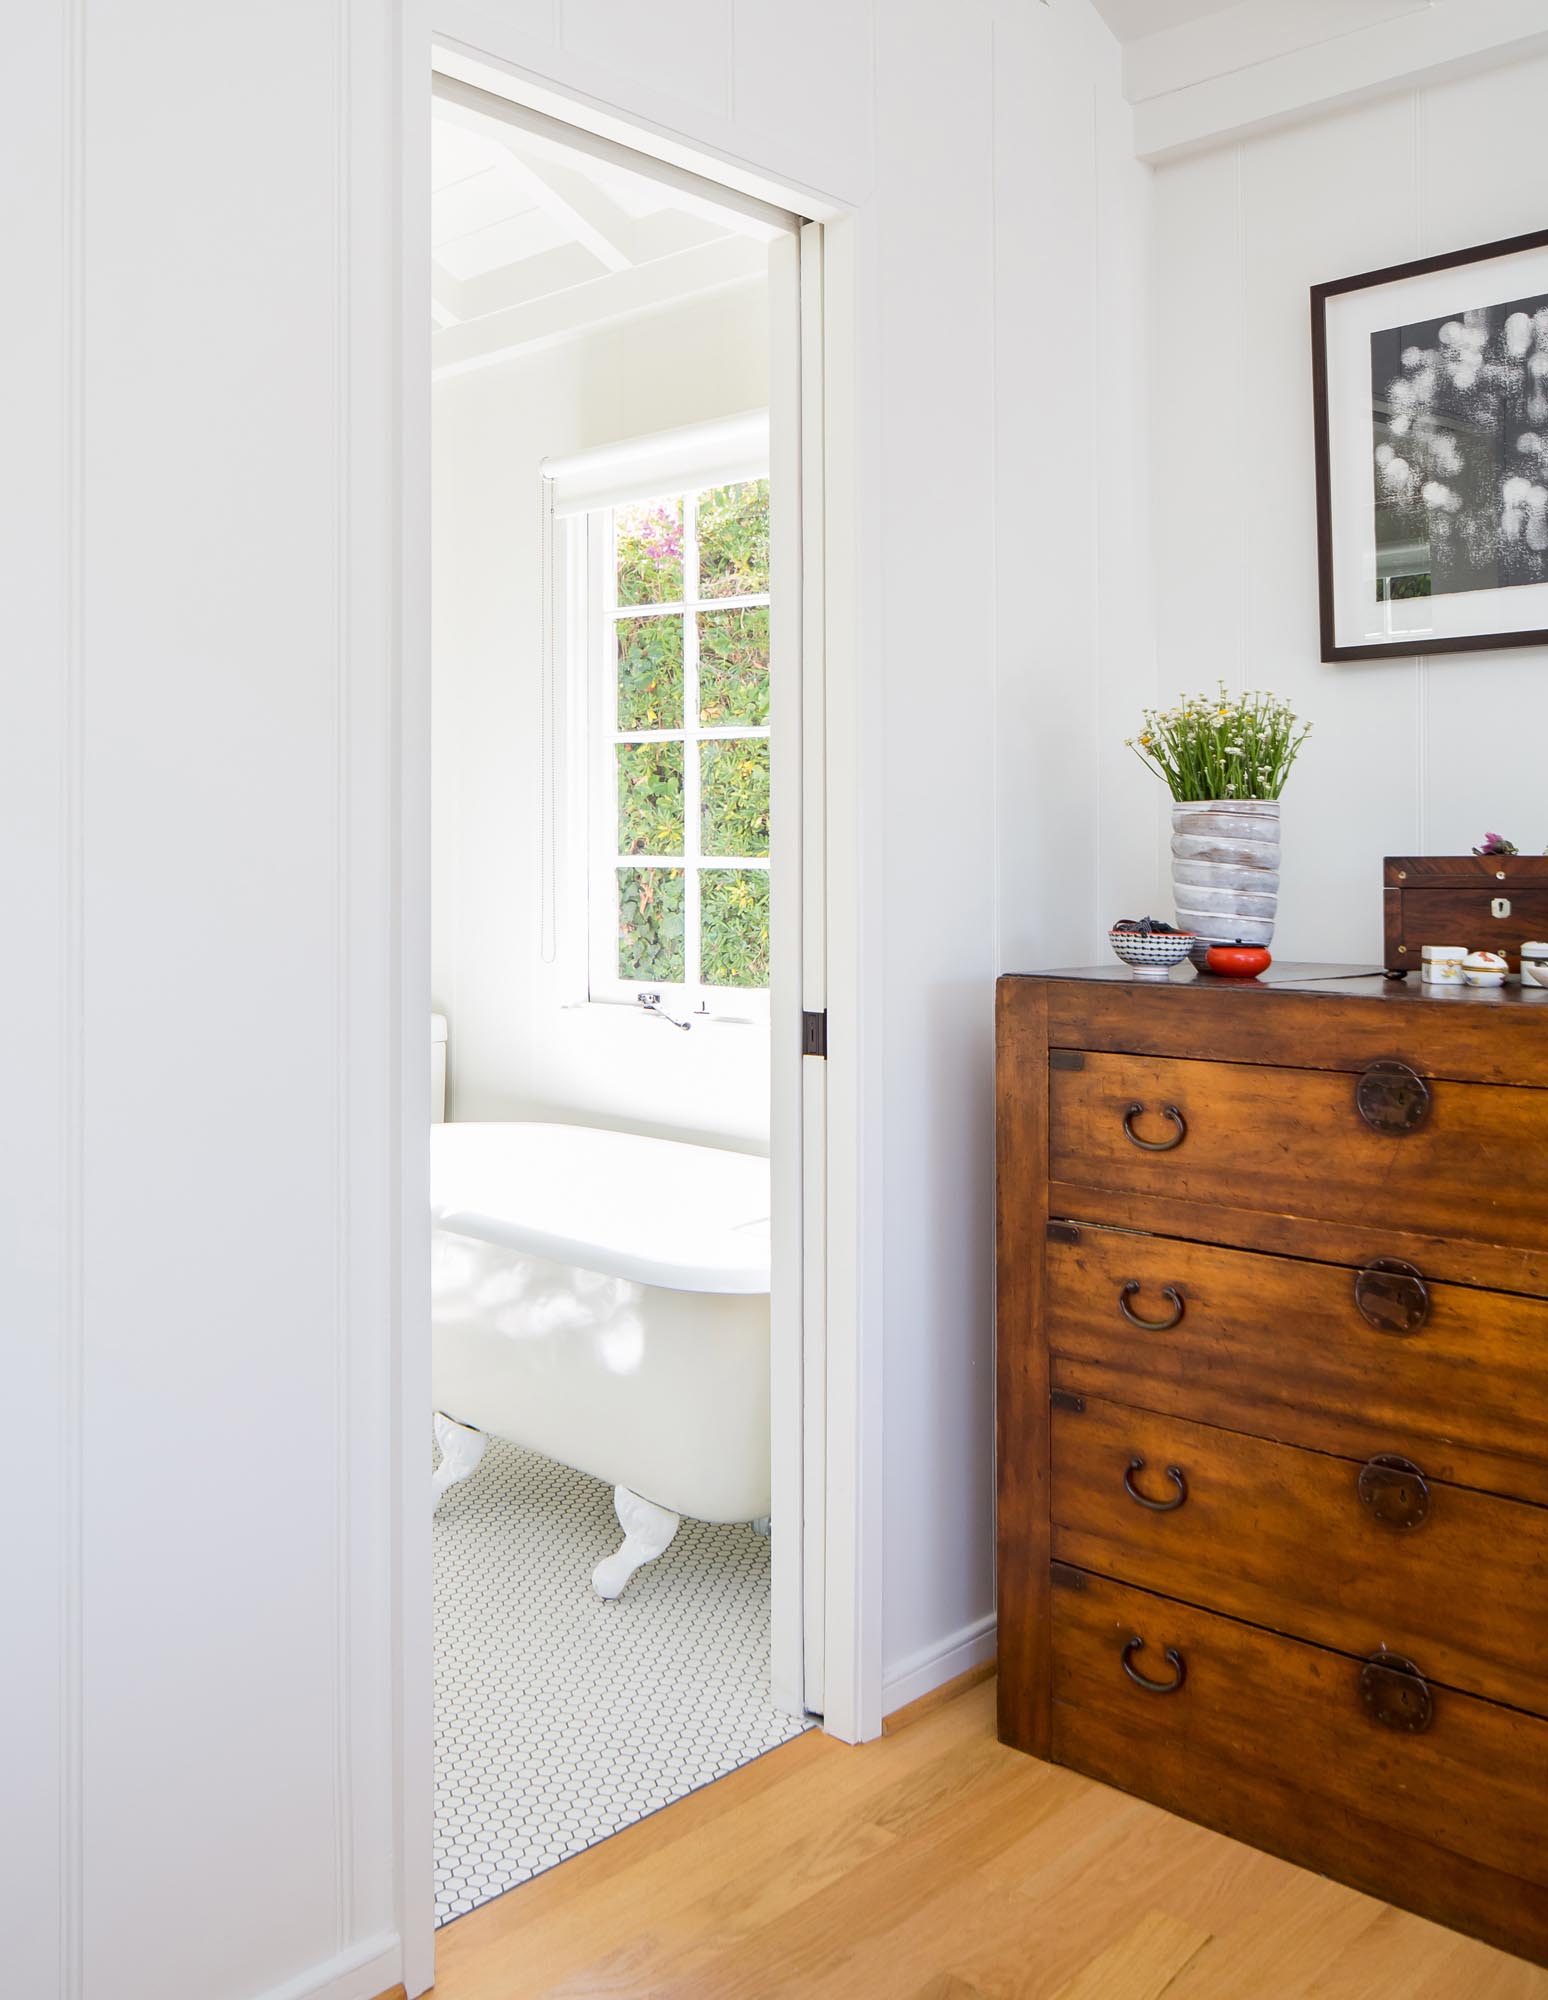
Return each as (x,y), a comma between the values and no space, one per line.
(937,1865)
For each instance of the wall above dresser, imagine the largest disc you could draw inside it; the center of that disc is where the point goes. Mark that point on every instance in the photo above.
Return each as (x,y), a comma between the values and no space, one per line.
(1409,756)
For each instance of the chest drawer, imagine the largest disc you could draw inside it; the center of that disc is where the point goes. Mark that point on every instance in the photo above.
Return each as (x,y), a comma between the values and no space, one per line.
(1351,1556)
(1306,1752)
(1425,1156)
(1349,1361)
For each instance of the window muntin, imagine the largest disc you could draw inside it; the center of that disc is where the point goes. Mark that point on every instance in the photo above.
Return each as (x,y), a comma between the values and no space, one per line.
(680,770)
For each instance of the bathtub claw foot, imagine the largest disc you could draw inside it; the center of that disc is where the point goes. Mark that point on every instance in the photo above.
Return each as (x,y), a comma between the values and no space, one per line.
(461,1449)
(647,1531)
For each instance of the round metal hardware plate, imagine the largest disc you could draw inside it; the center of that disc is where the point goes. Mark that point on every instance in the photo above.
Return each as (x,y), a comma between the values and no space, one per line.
(1394,1693)
(1392,1098)
(1395,1491)
(1392,1296)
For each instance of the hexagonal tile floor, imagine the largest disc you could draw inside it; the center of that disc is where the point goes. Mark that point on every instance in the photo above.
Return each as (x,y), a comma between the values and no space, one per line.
(559,1718)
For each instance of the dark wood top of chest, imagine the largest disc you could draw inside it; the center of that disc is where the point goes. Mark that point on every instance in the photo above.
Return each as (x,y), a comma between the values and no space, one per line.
(1343,982)
(1334,1017)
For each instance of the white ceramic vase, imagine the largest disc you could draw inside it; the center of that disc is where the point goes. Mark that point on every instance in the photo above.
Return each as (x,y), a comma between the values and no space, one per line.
(1225,870)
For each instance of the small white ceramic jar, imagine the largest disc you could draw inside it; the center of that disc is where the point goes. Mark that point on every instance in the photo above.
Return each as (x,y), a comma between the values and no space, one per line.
(1534,964)
(1484,968)
(1442,964)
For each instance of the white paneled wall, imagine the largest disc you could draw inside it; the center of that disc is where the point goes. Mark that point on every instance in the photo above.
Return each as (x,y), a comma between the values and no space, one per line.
(1076,834)
(1407,755)
(1012,596)
(203,856)
(934,225)
(520,1046)
(199,831)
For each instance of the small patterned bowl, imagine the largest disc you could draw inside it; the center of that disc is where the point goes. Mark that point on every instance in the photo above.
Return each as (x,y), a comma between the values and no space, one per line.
(1151,955)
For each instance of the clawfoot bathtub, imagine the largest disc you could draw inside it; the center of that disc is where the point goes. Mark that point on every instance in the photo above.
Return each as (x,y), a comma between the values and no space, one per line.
(604,1299)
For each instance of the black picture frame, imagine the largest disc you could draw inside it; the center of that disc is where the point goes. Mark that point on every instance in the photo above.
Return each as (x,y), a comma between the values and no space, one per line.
(1402,646)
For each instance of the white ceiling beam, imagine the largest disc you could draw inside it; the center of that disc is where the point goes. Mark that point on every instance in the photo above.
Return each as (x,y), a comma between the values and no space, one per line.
(619,295)
(536,190)
(566,268)
(587,217)
(1447,38)
(1242,35)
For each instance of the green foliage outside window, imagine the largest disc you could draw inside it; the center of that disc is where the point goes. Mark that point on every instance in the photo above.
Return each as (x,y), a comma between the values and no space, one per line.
(734,926)
(650,673)
(734,796)
(649,545)
(732,529)
(734,540)
(734,666)
(650,924)
(650,798)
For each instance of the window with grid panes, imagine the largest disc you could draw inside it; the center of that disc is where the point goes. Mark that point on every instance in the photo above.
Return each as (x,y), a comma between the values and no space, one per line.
(679,773)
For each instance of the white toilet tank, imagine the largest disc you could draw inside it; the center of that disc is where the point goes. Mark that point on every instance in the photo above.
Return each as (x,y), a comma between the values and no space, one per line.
(437,1069)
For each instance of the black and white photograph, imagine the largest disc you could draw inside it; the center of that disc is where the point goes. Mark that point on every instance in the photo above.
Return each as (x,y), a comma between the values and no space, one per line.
(1431,385)
(1460,451)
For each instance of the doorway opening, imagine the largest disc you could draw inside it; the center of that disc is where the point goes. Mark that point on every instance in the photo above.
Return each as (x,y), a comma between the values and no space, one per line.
(625,1346)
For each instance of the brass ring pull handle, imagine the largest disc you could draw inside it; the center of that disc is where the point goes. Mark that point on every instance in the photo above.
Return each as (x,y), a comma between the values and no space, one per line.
(1155,1145)
(1174,1660)
(1391,1296)
(1150,1325)
(1173,1472)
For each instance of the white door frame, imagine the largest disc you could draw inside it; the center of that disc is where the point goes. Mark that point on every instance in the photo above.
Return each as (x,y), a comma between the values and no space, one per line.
(826,1401)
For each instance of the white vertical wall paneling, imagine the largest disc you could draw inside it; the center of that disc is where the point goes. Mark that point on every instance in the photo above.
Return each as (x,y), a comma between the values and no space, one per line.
(197,807)
(409,490)
(376,1025)
(1045,574)
(933,221)
(40,526)
(1072,504)
(689,67)
(212,911)
(1406,753)
(1199,530)
(1129,879)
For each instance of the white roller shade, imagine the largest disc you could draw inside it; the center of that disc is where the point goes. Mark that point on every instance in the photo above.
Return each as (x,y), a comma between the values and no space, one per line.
(716,454)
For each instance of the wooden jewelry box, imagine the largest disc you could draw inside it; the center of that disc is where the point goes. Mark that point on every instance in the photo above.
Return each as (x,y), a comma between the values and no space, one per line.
(1487,902)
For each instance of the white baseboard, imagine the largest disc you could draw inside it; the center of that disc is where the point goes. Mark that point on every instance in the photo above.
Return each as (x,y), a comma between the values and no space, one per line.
(921,1673)
(360,1973)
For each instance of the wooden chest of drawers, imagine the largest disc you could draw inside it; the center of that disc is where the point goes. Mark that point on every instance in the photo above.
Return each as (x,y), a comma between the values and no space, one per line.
(1273,1417)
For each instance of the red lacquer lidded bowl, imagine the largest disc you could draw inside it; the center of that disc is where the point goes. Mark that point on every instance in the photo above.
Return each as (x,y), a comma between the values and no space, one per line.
(1237,961)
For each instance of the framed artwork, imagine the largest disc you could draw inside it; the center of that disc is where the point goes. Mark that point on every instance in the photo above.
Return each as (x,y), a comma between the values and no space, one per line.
(1430,384)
